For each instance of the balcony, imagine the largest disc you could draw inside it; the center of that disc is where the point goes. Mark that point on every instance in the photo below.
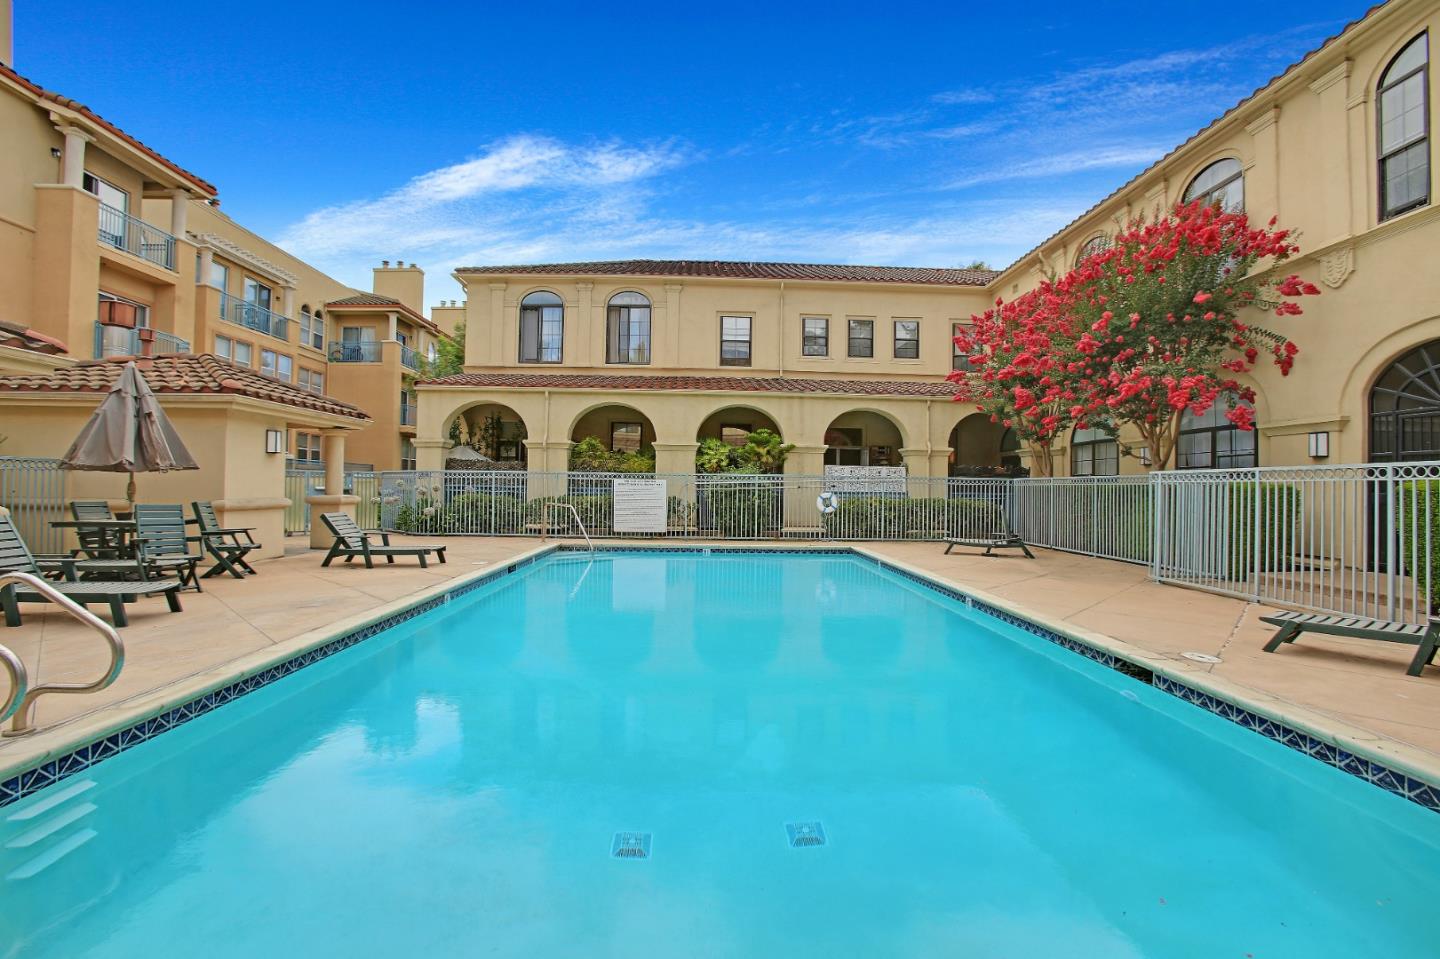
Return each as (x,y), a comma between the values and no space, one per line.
(124,341)
(407,414)
(363,351)
(133,235)
(409,358)
(256,317)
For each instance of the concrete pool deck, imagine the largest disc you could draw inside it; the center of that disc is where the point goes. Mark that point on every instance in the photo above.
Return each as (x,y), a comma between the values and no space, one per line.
(1355,689)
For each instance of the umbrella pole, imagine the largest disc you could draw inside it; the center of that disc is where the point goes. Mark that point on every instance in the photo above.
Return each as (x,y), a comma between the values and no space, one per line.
(130,491)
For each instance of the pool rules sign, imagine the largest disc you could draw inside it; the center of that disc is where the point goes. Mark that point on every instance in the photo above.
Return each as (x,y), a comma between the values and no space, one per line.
(639,506)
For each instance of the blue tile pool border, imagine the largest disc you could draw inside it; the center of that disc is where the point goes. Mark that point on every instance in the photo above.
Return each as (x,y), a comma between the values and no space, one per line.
(83,757)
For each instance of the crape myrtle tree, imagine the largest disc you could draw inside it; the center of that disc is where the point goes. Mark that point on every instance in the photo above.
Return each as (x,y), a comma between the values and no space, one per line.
(1141,333)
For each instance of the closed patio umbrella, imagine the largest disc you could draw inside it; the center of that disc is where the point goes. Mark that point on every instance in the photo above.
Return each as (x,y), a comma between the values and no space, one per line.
(129,433)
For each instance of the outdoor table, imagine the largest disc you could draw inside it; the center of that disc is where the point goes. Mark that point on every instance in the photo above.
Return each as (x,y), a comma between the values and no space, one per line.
(116,535)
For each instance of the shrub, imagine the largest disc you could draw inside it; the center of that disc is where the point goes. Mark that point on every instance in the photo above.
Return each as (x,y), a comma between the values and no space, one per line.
(899,517)
(739,509)
(1417,525)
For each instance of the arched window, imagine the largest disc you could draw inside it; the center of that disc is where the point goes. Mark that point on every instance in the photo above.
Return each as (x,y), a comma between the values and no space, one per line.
(542,327)
(1403,113)
(1405,408)
(627,329)
(1094,245)
(1010,449)
(1221,184)
(1213,442)
(1094,452)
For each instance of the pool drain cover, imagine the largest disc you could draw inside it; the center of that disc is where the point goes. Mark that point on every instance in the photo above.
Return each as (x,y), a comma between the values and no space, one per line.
(631,845)
(803,834)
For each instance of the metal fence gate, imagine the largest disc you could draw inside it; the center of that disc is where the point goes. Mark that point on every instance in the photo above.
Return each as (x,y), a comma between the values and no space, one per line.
(34,491)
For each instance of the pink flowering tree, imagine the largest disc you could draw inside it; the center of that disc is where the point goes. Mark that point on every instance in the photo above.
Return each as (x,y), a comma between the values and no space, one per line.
(1023,358)
(1162,330)
(1141,333)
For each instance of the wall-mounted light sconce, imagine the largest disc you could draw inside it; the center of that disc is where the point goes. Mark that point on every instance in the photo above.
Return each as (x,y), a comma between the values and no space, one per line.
(1319,445)
(55,152)
(274,441)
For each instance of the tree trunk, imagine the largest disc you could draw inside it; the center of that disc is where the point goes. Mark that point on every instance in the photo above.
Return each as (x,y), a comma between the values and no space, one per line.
(1042,460)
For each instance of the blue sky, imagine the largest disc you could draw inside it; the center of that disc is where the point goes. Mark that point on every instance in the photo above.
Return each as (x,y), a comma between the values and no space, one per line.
(452,134)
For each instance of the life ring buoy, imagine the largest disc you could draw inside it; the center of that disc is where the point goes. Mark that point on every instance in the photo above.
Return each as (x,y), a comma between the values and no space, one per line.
(827,502)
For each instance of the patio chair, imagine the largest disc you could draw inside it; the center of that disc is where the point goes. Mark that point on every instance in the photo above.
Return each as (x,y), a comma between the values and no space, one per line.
(1007,540)
(1426,635)
(161,544)
(227,545)
(93,543)
(352,541)
(15,556)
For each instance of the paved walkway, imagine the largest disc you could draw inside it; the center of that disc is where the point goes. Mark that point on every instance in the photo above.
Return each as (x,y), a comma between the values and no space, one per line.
(1360,683)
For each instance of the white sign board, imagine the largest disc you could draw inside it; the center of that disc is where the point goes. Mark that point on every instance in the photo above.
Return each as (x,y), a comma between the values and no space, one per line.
(639,506)
(865,479)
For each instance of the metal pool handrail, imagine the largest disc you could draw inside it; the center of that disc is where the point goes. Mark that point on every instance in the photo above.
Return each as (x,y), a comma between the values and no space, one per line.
(19,682)
(25,711)
(545,526)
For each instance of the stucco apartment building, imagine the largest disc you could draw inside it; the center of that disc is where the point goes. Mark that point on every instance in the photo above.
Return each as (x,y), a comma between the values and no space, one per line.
(108,249)
(847,361)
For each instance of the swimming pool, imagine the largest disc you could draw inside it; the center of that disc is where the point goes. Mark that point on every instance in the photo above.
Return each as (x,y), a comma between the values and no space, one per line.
(651,754)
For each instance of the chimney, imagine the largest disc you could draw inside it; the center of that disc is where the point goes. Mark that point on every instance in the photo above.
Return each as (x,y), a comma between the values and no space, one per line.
(404,283)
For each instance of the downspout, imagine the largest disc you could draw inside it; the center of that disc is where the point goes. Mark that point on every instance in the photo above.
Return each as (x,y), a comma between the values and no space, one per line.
(780,328)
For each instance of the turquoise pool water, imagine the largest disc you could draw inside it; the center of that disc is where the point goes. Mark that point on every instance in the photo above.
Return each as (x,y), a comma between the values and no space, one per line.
(454,787)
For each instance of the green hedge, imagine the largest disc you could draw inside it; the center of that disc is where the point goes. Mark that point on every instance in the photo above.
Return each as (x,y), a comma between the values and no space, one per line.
(899,517)
(1417,524)
(744,509)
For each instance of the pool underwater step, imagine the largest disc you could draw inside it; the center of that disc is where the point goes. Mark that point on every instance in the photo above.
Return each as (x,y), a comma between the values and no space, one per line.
(51,856)
(40,806)
(50,826)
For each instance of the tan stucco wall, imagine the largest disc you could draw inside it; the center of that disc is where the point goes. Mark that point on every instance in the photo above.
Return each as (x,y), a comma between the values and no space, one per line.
(685,324)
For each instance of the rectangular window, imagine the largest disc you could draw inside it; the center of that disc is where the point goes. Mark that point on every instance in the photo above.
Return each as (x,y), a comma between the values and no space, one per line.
(109,194)
(735,434)
(257,293)
(407,454)
(307,447)
(907,339)
(277,365)
(959,359)
(625,437)
(224,347)
(862,338)
(815,336)
(312,380)
(219,275)
(317,331)
(244,354)
(734,341)
(542,333)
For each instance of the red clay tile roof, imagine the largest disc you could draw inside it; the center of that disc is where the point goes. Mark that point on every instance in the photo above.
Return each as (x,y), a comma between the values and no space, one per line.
(1200,132)
(69,104)
(13,334)
(737,384)
(377,299)
(731,269)
(181,374)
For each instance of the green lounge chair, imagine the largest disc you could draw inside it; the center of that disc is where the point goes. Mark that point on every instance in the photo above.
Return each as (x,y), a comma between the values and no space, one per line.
(15,556)
(93,543)
(352,541)
(228,546)
(1426,636)
(161,544)
(989,543)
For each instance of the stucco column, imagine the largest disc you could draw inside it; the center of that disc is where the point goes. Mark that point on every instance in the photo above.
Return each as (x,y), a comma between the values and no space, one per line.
(179,206)
(675,457)
(394,326)
(334,499)
(207,262)
(287,301)
(800,512)
(670,344)
(805,461)
(1262,180)
(916,460)
(580,328)
(430,454)
(488,348)
(73,170)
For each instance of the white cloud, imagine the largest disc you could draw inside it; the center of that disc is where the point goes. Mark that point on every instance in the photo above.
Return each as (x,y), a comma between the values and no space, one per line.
(433,208)
(1059,164)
